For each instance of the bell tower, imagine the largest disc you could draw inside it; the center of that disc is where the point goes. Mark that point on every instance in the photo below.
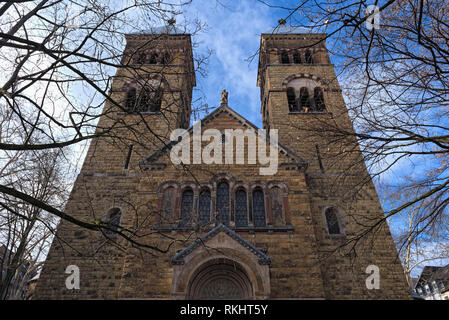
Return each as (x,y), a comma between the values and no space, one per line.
(302,99)
(299,92)
(151,96)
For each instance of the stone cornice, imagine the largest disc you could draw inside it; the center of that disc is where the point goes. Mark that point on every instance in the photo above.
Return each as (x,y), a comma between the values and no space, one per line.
(263,259)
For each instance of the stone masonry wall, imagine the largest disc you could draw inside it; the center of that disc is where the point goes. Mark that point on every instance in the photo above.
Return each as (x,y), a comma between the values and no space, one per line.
(306,262)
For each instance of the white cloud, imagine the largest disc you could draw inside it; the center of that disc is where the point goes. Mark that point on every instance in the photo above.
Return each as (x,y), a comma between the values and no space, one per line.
(234,36)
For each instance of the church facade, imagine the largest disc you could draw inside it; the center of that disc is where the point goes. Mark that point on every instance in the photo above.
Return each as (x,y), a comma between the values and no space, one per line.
(223,230)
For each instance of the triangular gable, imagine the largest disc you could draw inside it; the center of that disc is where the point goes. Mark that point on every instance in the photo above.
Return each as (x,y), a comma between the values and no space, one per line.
(224,109)
(433,273)
(179,257)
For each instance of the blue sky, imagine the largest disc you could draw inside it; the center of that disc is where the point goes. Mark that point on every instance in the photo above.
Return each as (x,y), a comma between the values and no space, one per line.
(233,33)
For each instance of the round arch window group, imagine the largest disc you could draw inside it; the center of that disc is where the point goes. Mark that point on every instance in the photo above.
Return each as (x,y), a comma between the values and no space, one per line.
(304,101)
(297,56)
(143,57)
(144,95)
(237,205)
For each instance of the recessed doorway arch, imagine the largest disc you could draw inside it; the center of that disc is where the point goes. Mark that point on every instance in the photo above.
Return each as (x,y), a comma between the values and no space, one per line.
(233,262)
(220,279)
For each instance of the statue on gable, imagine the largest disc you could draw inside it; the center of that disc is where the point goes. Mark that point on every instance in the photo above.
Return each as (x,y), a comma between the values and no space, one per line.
(224,97)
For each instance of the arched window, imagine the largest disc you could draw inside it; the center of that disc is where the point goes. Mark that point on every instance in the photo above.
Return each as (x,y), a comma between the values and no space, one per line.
(284,58)
(149,101)
(186,207)
(144,98)
(168,205)
(153,58)
(131,100)
(296,58)
(276,206)
(308,56)
(259,208)
(333,225)
(142,58)
(204,207)
(304,100)
(319,99)
(113,220)
(223,210)
(166,58)
(292,106)
(241,209)
(155,101)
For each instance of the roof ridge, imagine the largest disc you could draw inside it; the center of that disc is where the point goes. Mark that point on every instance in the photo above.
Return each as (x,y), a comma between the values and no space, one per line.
(245,122)
(178,258)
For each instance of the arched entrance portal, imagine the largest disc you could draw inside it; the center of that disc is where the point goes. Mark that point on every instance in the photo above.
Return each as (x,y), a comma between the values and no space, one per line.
(220,279)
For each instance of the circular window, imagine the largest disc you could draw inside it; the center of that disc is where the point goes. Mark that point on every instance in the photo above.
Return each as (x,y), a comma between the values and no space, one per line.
(220,279)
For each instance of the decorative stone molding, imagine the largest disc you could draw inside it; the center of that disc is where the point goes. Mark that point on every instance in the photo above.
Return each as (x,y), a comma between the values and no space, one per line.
(317,80)
(221,246)
(262,257)
(283,150)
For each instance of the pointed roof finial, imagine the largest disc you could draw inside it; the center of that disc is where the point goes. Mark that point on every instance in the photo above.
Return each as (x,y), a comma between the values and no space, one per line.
(224,98)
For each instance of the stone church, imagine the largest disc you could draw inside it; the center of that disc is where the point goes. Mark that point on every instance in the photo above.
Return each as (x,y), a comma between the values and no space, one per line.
(224,230)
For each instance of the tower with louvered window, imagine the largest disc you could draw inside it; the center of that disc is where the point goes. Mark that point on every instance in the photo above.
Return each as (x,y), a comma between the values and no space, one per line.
(150,97)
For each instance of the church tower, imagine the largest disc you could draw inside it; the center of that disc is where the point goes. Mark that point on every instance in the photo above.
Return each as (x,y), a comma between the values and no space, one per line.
(301,98)
(150,97)
(300,94)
